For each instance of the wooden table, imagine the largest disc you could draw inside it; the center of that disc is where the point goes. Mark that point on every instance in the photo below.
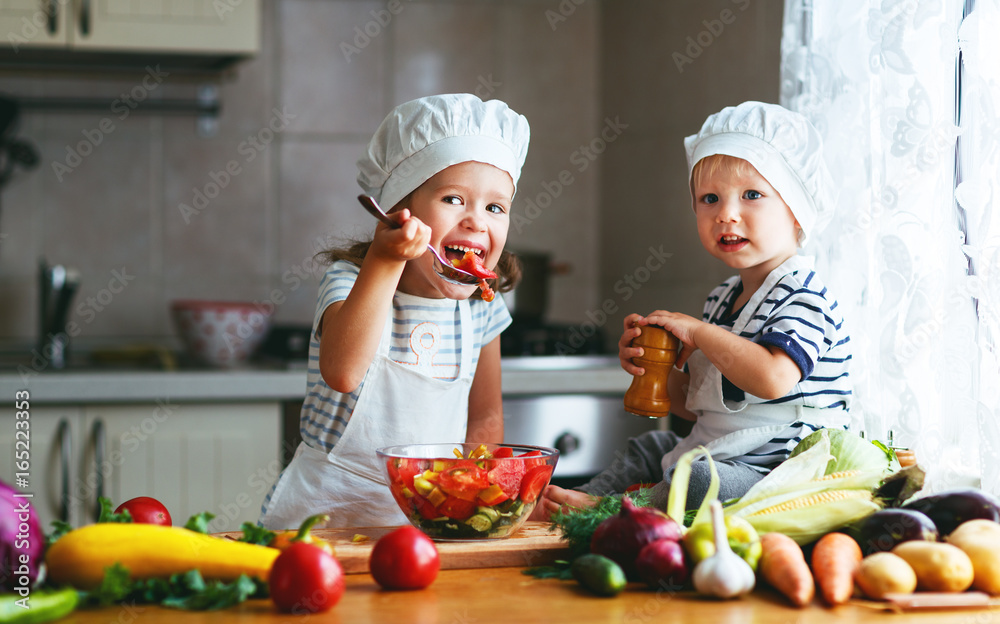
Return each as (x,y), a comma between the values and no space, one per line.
(506,595)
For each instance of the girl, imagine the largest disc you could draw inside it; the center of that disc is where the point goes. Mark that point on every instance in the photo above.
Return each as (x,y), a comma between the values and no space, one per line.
(399,355)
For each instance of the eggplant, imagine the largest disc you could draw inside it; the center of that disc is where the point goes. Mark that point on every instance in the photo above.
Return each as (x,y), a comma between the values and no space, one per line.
(949,509)
(884,529)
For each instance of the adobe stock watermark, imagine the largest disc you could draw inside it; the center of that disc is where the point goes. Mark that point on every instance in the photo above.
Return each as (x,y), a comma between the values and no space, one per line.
(563,12)
(372,29)
(713,30)
(121,107)
(249,149)
(627,286)
(580,159)
(223,8)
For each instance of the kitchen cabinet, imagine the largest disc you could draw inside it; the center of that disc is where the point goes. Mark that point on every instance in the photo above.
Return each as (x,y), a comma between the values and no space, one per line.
(193,457)
(214,27)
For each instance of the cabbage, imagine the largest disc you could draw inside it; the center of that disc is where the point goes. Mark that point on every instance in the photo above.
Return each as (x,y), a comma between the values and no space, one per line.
(850,451)
(21,542)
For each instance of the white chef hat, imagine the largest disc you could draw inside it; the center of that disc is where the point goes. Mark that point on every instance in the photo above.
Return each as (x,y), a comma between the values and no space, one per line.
(422,137)
(782,146)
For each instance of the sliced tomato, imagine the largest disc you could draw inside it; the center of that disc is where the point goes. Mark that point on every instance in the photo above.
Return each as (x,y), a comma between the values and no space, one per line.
(493,495)
(534,481)
(472,263)
(502,452)
(424,507)
(456,508)
(402,470)
(465,480)
(531,463)
(507,473)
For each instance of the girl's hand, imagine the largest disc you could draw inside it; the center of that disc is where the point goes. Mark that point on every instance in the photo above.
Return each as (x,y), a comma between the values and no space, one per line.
(680,325)
(625,349)
(403,243)
(555,498)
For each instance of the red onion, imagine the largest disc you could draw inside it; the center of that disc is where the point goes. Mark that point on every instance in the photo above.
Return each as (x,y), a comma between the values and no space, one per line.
(621,537)
(21,542)
(661,564)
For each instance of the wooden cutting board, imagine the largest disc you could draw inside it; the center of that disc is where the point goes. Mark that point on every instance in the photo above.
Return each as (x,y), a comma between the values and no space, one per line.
(533,544)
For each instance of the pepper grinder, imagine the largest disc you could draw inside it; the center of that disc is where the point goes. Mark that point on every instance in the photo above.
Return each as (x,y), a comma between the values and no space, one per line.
(647,396)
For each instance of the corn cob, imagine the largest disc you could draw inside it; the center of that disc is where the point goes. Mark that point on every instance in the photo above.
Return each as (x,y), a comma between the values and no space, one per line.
(830,496)
(807,519)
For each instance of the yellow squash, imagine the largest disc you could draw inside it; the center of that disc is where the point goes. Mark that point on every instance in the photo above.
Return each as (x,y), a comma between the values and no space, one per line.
(150,551)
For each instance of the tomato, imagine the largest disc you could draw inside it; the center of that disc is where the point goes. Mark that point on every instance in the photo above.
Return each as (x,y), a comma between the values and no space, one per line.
(146,510)
(424,507)
(465,479)
(507,474)
(531,463)
(402,470)
(457,508)
(502,452)
(533,482)
(306,579)
(404,559)
(472,263)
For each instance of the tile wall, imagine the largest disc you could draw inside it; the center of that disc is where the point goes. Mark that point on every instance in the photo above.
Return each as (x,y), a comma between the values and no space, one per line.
(607,105)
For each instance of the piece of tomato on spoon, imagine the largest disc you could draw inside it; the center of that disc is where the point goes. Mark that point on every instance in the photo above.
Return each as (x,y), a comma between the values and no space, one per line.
(472,263)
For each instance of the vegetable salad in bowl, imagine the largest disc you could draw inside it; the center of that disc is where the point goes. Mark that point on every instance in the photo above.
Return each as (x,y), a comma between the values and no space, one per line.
(467,491)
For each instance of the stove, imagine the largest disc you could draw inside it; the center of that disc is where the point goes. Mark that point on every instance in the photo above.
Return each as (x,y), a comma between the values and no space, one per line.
(530,337)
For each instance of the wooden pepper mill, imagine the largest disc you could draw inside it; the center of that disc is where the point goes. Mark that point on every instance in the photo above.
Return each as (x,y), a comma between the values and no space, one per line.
(647,396)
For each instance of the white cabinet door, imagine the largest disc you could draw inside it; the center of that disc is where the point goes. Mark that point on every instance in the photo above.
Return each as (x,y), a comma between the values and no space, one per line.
(191,457)
(34,23)
(181,26)
(55,436)
(189,26)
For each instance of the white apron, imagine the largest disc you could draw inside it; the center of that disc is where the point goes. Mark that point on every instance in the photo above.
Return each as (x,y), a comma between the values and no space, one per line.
(725,432)
(397,405)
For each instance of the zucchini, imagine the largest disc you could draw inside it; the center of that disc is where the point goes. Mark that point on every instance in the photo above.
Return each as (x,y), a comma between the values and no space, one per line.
(80,557)
(480,522)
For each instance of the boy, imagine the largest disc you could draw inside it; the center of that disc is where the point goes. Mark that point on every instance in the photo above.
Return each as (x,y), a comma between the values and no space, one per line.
(767,364)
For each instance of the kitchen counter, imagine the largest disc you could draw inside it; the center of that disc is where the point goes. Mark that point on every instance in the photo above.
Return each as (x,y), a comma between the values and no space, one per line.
(521,376)
(507,595)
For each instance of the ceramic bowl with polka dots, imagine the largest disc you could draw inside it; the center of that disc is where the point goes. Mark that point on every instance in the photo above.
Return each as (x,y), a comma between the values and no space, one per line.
(222,334)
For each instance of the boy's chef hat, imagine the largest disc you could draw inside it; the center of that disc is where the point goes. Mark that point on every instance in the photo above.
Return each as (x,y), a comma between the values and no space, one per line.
(782,146)
(422,137)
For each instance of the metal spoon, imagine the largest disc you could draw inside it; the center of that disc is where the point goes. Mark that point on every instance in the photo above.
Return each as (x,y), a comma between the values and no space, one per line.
(445,269)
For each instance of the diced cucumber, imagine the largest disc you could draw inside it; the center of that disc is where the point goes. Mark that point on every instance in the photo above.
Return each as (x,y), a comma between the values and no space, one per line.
(489,512)
(480,522)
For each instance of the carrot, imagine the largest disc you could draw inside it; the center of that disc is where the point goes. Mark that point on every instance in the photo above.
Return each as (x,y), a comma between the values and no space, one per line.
(835,558)
(783,565)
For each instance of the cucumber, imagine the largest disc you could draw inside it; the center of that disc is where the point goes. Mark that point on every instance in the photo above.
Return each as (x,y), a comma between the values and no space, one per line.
(480,522)
(489,512)
(598,574)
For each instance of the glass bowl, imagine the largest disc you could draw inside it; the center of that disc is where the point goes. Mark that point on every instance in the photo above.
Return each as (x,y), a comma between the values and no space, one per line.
(487,493)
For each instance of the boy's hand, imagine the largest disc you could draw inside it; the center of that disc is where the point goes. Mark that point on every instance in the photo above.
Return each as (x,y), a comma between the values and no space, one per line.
(404,243)
(625,349)
(680,325)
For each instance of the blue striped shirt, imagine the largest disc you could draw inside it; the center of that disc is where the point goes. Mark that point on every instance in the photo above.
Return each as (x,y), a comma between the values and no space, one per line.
(426,334)
(800,317)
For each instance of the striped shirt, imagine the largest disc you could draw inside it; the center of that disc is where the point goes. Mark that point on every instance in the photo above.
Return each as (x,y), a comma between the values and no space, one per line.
(801,318)
(426,335)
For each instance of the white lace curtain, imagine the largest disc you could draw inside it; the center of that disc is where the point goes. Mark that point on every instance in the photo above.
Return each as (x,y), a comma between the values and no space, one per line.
(907,96)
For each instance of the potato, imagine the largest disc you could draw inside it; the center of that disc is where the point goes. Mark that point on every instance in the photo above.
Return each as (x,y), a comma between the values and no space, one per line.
(938,566)
(980,540)
(884,573)
(974,530)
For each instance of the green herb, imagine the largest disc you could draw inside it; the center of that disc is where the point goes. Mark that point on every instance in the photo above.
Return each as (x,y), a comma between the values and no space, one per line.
(559,570)
(108,512)
(199,522)
(578,525)
(256,535)
(59,528)
(188,591)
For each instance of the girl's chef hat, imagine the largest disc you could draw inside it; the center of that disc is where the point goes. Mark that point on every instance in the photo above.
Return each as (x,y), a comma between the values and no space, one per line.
(422,137)
(782,146)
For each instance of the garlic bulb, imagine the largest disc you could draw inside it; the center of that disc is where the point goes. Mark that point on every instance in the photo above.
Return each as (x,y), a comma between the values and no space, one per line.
(724,574)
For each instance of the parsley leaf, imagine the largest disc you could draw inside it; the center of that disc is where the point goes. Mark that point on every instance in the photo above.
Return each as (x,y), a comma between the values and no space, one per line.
(254,534)
(199,522)
(188,591)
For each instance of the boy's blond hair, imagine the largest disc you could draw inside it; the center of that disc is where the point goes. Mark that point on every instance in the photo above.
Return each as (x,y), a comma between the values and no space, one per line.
(716,164)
